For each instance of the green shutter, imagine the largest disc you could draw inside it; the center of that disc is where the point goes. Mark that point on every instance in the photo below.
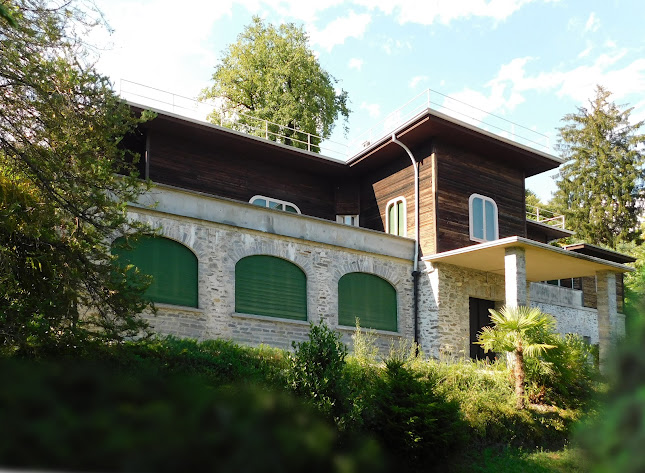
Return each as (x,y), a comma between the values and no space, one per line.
(173,268)
(391,219)
(368,297)
(266,285)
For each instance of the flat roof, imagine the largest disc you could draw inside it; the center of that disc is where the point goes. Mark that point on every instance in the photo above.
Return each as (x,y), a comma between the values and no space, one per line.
(543,262)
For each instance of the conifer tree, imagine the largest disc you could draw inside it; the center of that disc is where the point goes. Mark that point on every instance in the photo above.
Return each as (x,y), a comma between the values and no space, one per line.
(601,180)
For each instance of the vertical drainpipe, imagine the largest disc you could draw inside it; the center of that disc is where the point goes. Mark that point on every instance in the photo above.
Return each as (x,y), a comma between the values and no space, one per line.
(415,270)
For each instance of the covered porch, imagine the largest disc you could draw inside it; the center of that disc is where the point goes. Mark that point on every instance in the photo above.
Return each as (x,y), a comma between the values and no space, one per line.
(513,263)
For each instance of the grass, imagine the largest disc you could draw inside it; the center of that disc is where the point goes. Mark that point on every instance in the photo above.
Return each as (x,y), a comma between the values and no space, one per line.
(513,460)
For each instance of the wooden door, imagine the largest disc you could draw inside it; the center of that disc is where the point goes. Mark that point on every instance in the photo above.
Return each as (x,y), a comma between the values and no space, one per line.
(479,317)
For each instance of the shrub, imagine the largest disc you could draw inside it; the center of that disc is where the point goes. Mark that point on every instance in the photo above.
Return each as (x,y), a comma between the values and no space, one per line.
(93,416)
(418,426)
(316,369)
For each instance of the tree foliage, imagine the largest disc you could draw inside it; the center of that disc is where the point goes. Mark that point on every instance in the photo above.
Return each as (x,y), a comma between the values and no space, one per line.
(522,331)
(272,74)
(601,179)
(61,202)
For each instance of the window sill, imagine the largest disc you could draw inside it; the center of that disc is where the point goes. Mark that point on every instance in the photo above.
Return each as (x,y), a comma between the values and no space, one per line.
(345,328)
(268,318)
(183,308)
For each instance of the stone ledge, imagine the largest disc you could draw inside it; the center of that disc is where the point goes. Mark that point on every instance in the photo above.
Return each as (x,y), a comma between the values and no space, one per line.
(182,308)
(267,318)
(344,328)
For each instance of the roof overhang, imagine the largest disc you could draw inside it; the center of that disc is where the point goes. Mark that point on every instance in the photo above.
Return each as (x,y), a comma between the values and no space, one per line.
(543,262)
(430,123)
(551,232)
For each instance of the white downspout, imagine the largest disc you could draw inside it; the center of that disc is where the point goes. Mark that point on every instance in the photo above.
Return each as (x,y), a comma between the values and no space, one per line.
(415,168)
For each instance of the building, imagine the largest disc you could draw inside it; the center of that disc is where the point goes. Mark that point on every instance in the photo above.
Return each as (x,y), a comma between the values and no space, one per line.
(417,235)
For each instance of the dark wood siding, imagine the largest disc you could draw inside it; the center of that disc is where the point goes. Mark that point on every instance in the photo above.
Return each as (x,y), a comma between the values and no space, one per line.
(396,179)
(460,174)
(178,160)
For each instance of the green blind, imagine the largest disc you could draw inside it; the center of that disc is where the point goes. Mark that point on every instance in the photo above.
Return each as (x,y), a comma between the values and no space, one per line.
(368,297)
(266,285)
(173,268)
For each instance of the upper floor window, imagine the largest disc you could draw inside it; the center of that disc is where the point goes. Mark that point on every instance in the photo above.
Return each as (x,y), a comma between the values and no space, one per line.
(483,218)
(348,220)
(395,217)
(173,268)
(271,203)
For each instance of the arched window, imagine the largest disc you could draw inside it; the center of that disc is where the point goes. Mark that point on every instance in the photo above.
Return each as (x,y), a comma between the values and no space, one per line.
(370,298)
(483,218)
(173,268)
(272,203)
(266,285)
(396,217)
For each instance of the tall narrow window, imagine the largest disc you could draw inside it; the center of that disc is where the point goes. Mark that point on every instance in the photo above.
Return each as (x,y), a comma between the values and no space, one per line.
(483,218)
(173,268)
(369,298)
(266,285)
(395,217)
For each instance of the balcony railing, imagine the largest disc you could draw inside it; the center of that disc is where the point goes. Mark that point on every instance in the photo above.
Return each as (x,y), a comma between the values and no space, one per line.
(428,99)
(545,216)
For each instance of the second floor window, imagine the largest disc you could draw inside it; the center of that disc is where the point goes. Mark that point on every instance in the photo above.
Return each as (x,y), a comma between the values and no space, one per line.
(395,217)
(271,203)
(483,218)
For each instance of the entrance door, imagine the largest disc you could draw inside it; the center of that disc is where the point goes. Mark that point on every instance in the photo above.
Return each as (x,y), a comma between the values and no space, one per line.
(479,317)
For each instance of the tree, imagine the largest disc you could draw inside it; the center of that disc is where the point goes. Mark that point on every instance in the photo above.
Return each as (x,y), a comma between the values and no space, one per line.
(271,74)
(522,331)
(61,202)
(601,179)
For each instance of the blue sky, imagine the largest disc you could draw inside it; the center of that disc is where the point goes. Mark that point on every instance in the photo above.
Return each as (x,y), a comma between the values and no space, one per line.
(528,61)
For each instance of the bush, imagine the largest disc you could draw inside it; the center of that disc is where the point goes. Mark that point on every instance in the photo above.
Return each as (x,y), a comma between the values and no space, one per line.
(316,369)
(418,426)
(86,416)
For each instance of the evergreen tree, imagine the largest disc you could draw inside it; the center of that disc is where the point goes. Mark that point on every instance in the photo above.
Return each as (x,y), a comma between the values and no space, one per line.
(601,180)
(271,74)
(61,202)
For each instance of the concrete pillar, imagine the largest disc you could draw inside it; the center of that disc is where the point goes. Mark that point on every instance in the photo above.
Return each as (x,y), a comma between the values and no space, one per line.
(607,313)
(515,276)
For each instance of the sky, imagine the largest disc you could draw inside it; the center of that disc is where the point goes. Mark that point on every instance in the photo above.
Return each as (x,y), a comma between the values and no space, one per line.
(519,65)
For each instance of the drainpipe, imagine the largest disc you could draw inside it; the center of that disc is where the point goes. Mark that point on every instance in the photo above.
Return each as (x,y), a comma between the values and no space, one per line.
(415,270)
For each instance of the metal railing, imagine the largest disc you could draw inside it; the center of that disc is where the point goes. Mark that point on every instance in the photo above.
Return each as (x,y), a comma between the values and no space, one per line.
(429,99)
(548,217)
(198,110)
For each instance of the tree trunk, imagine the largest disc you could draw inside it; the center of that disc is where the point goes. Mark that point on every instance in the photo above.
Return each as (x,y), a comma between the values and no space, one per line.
(518,374)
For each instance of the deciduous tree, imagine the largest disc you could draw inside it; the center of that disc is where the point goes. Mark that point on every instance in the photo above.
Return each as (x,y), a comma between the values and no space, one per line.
(61,202)
(272,74)
(601,180)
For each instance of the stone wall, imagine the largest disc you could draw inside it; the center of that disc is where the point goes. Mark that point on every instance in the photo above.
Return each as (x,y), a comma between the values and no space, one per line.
(220,246)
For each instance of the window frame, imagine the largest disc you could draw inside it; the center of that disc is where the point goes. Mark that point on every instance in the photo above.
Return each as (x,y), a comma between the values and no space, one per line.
(268,200)
(471,226)
(405,215)
(340,218)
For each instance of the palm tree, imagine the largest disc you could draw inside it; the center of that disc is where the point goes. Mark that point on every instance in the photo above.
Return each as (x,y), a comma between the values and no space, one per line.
(521,330)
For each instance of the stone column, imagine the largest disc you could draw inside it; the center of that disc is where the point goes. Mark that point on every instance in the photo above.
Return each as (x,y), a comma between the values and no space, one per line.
(515,276)
(607,314)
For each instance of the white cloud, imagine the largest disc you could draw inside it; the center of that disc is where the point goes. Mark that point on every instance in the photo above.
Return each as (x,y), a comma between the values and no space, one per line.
(416,80)
(585,52)
(593,23)
(336,32)
(355,63)
(373,109)
(306,11)
(390,45)
(443,11)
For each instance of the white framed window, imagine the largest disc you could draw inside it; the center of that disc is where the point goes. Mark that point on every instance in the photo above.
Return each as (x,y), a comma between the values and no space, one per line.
(272,203)
(348,220)
(396,220)
(483,222)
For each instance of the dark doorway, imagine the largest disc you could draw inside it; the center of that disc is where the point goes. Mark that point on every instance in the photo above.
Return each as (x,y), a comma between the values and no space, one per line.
(479,317)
